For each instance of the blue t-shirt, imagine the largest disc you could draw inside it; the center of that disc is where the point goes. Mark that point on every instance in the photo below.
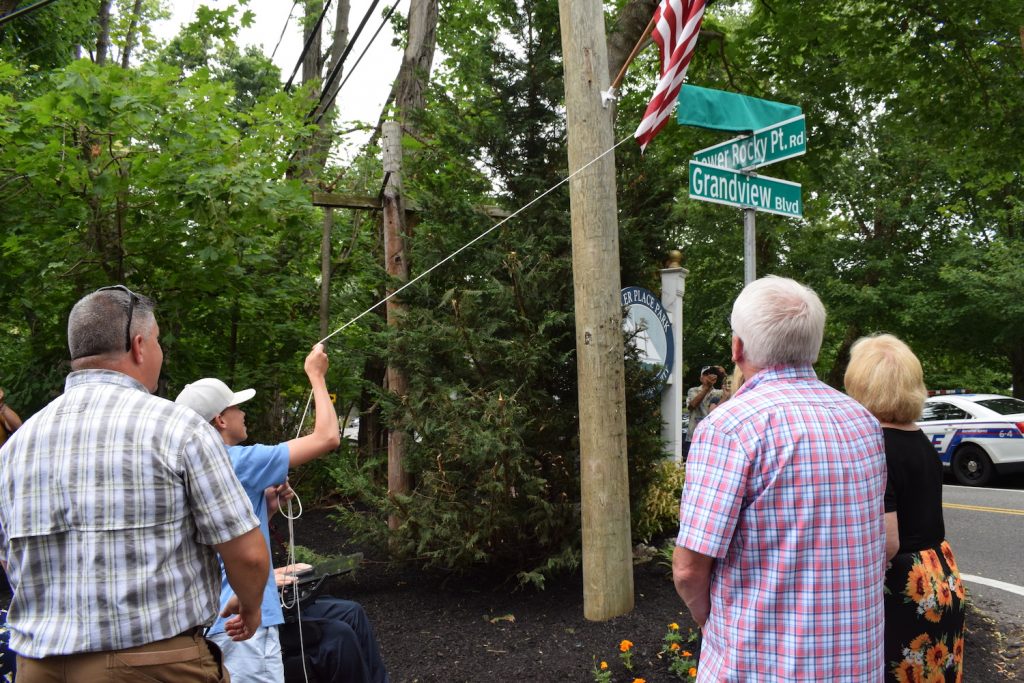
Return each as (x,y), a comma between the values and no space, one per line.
(257,468)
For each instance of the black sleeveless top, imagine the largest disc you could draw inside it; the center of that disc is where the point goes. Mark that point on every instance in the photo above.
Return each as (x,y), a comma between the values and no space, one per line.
(914,489)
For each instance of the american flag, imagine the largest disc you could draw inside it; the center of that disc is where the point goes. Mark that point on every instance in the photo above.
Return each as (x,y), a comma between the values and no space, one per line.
(676,25)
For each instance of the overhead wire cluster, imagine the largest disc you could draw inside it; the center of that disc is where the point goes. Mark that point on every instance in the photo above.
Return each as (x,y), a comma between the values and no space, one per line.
(328,92)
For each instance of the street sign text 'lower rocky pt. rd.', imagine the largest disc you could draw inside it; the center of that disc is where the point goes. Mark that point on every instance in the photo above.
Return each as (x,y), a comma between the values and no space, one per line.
(783,140)
(724,186)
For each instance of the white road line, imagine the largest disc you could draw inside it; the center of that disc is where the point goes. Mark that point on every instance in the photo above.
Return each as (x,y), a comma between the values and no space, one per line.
(978,489)
(1002,585)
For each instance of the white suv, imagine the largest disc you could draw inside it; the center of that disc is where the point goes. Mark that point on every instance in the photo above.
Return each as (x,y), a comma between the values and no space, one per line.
(977,435)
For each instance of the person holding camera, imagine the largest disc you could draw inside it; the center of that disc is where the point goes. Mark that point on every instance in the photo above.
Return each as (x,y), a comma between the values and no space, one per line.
(700,400)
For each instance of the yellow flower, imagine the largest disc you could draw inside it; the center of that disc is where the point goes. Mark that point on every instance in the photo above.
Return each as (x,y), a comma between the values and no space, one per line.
(930,560)
(625,646)
(908,672)
(947,553)
(673,626)
(604,666)
(936,656)
(919,642)
(692,672)
(944,594)
(918,583)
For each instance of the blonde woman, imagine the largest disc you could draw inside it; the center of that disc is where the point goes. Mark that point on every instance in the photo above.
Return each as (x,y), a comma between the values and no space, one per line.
(924,597)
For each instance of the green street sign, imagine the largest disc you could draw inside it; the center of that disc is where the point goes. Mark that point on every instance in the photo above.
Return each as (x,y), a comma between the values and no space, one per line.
(783,140)
(725,186)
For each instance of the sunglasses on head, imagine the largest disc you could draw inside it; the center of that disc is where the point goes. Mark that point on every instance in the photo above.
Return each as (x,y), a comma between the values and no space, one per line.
(133,299)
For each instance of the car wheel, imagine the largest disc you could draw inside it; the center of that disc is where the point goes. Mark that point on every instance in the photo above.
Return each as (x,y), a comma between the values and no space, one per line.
(971,466)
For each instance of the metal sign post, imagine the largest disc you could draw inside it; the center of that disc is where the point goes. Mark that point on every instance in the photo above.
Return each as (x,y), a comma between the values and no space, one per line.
(749,252)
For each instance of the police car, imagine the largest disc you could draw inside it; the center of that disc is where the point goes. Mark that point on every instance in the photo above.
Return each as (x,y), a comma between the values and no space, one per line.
(977,435)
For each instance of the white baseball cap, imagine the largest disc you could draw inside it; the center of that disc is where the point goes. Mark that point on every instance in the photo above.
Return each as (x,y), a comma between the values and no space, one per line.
(210,397)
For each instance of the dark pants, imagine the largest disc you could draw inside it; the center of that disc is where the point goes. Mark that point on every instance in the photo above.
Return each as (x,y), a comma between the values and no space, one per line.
(347,649)
(181,658)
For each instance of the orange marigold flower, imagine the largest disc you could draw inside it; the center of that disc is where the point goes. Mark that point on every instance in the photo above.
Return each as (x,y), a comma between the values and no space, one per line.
(686,653)
(673,626)
(918,583)
(931,562)
(936,656)
(692,672)
(674,646)
(908,672)
(919,642)
(625,646)
(639,680)
(604,666)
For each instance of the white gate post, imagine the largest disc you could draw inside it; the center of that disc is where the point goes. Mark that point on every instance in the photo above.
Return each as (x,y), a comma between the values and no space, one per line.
(673,284)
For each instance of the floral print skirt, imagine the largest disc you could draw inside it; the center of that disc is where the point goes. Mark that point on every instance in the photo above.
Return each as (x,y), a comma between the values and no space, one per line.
(924,617)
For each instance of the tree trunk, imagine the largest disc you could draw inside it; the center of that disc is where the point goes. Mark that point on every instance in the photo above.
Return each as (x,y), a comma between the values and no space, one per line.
(839,365)
(407,93)
(397,268)
(103,36)
(1016,356)
(311,61)
(129,38)
(629,26)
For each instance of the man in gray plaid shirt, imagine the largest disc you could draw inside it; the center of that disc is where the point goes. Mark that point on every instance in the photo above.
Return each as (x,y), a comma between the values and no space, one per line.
(113,507)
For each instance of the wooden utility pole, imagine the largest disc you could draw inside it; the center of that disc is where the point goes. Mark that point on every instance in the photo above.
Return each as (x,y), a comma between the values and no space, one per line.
(607,550)
(397,269)
(325,271)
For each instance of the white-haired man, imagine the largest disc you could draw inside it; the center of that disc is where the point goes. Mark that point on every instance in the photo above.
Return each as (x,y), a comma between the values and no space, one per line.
(114,505)
(780,555)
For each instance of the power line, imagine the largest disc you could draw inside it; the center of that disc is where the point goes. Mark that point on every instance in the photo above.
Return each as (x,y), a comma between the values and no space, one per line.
(329,82)
(361,55)
(305,48)
(10,16)
(284,28)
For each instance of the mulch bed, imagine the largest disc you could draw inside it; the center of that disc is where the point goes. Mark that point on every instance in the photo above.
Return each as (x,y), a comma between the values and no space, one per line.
(434,628)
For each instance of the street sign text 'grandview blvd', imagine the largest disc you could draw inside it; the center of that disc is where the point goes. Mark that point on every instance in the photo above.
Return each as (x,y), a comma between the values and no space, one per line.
(725,186)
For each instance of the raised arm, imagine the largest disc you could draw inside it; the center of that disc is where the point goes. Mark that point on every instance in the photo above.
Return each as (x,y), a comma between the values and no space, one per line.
(326,434)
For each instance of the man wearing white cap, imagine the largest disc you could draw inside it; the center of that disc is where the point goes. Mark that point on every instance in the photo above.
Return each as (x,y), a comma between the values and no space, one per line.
(260,467)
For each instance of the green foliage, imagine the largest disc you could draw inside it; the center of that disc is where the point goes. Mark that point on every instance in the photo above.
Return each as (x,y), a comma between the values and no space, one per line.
(138,176)
(46,38)
(677,651)
(656,510)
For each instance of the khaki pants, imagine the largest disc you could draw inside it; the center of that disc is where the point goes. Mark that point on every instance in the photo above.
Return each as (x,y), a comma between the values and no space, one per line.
(188,657)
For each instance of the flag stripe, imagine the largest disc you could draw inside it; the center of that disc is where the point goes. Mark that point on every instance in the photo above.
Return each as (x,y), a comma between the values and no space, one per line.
(676,27)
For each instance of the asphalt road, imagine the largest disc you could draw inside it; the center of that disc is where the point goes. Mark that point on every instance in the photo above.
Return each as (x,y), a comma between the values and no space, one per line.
(985,527)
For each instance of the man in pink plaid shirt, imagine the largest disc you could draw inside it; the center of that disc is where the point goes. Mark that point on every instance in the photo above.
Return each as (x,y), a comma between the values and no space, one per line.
(781,549)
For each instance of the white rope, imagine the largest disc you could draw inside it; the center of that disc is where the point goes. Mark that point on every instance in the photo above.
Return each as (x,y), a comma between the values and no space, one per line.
(479,237)
(291,531)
